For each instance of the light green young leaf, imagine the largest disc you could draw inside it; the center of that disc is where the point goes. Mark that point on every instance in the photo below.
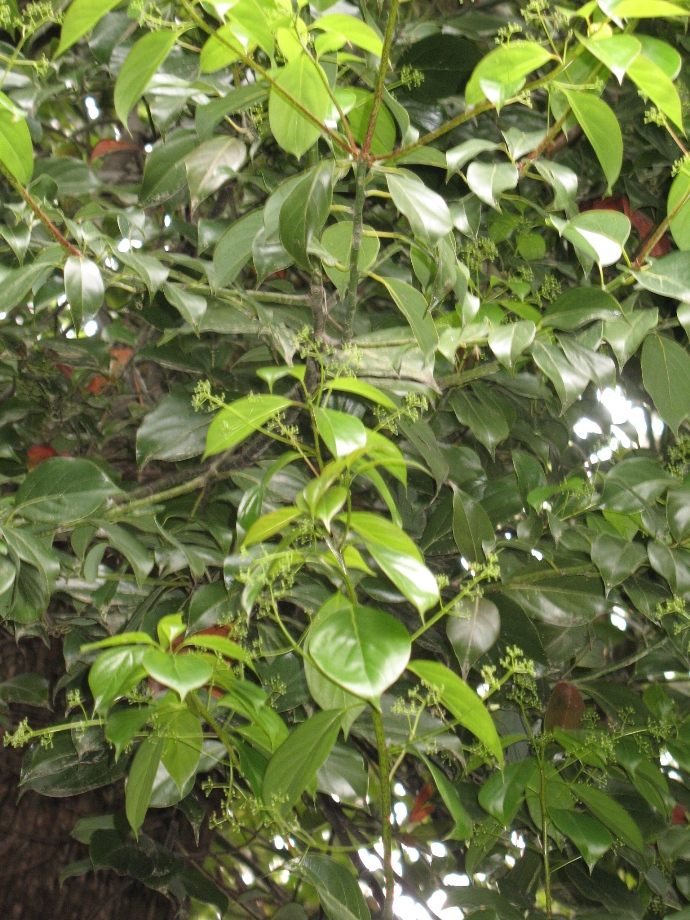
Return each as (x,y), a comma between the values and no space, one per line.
(354,30)
(240,419)
(304,81)
(139,66)
(270,524)
(602,130)
(617,52)
(342,433)
(337,240)
(80,18)
(16,149)
(509,65)
(654,83)
(182,673)
(461,701)
(679,193)
(488,181)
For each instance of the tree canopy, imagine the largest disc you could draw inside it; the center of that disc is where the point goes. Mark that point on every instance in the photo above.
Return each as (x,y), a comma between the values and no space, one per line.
(345,449)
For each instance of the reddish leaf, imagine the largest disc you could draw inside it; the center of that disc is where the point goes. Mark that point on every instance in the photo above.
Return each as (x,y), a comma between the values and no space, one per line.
(679,815)
(97,385)
(108,146)
(566,708)
(420,810)
(65,369)
(38,454)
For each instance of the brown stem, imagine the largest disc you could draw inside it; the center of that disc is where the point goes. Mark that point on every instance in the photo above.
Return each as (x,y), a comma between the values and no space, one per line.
(381,77)
(40,213)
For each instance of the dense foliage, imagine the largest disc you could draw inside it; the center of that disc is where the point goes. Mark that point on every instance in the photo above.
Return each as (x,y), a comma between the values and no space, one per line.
(311,319)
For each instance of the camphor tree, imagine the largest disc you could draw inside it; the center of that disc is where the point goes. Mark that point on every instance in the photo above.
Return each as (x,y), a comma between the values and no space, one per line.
(307,314)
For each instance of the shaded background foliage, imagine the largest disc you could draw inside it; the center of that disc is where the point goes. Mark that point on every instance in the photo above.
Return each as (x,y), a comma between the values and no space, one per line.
(407,327)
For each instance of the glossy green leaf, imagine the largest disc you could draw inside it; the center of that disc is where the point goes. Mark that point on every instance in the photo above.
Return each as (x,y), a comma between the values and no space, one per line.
(602,130)
(304,212)
(354,30)
(140,780)
(600,235)
(336,886)
(139,66)
(502,794)
(182,673)
(337,240)
(488,181)
(472,529)
(488,425)
(610,813)
(459,156)
(241,419)
(84,289)
(669,276)
(212,164)
(270,524)
(16,149)
(361,649)
(235,247)
(294,765)
(679,205)
(617,52)
(625,335)
(361,388)
(509,341)
(415,309)
(666,377)
(462,703)
(560,601)
(172,432)
(183,737)
(462,829)
(342,433)
(589,835)
(189,305)
(124,724)
(654,83)
(426,211)
(472,629)
(63,489)
(114,673)
(80,18)
(303,81)
(616,558)
(508,65)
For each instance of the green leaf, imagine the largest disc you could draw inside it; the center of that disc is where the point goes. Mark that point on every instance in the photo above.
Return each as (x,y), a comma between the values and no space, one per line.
(305,211)
(399,558)
(165,172)
(580,306)
(569,381)
(666,377)
(617,52)
(462,703)
(559,600)
(172,432)
(63,490)
(471,527)
(28,689)
(589,835)
(337,888)
(138,68)
(415,309)
(616,558)
(451,799)
(680,224)
(212,164)
(341,433)
(488,181)
(337,240)
(190,306)
(610,813)
(132,549)
(383,140)
(488,425)
(270,524)
(304,81)
(562,179)
(503,792)
(16,149)
(601,129)
(84,289)
(235,247)
(294,765)
(669,276)
(124,724)
(225,647)
(361,388)
(236,422)
(182,673)
(625,335)
(459,156)
(507,66)
(361,649)
(226,46)
(140,780)
(678,511)
(642,9)
(114,673)
(509,341)
(354,30)
(600,235)
(654,83)
(183,737)
(473,628)
(426,211)
(80,18)
(60,770)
